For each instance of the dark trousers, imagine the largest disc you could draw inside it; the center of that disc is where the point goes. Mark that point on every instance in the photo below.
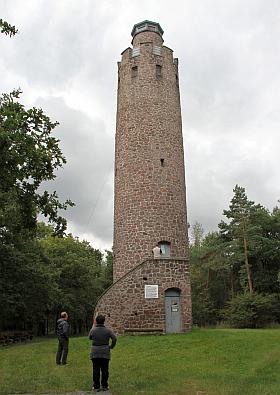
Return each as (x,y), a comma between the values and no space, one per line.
(100,364)
(62,351)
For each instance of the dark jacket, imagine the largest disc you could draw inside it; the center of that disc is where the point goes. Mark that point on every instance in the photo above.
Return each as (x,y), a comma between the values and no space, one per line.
(100,336)
(62,328)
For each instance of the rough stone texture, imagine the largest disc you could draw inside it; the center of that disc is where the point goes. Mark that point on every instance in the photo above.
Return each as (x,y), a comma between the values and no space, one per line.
(126,308)
(150,200)
(150,197)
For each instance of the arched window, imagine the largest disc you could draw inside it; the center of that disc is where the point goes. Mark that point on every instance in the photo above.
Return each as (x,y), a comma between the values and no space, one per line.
(165,249)
(134,71)
(158,70)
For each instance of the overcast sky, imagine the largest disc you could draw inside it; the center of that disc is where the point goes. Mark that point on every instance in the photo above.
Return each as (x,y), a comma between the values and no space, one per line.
(65,60)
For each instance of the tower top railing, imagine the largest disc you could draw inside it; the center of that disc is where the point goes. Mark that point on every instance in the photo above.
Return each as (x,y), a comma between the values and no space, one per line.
(146,26)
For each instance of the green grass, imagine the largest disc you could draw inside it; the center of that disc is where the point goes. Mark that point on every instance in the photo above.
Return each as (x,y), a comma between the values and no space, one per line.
(213,361)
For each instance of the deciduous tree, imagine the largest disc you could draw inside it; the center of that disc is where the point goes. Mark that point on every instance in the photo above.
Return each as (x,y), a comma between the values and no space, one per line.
(29,155)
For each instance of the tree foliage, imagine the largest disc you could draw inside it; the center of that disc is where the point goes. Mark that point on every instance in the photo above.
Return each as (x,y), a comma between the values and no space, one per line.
(50,274)
(29,155)
(81,276)
(243,257)
(7,29)
(197,233)
(41,273)
(252,310)
(241,230)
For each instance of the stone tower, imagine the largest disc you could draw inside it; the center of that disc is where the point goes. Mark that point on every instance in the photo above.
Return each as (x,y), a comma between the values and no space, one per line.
(149,294)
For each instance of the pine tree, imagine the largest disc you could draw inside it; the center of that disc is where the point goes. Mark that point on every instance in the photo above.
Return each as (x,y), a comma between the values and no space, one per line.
(241,230)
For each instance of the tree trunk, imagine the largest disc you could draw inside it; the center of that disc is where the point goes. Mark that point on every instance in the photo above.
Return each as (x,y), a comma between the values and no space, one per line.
(248,269)
(208,280)
(231,282)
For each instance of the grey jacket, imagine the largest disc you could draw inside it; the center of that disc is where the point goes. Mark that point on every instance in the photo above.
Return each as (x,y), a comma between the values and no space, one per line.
(62,328)
(100,336)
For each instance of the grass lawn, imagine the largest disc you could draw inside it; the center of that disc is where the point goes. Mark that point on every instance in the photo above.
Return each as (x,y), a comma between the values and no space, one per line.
(213,361)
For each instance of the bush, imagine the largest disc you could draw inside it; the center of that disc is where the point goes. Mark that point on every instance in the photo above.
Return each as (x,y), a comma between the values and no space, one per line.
(252,310)
(204,312)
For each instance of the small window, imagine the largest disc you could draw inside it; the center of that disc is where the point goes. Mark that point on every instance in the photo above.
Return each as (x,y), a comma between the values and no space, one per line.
(165,249)
(162,162)
(141,28)
(157,51)
(152,28)
(177,80)
(158,70)
(135,52)
(134,71)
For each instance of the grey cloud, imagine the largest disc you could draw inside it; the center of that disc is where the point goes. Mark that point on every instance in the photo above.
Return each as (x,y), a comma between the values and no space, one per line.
(54,46)
(229,59)
(87,177)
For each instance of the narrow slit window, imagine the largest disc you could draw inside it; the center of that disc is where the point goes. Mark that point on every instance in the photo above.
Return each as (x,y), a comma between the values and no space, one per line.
(134,71)
(162,162)
(158,70)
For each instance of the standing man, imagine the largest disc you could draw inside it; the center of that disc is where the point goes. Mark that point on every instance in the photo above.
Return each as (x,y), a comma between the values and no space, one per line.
(63,339)
(100,352)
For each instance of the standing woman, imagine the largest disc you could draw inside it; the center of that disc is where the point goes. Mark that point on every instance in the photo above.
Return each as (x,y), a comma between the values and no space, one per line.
(100,352)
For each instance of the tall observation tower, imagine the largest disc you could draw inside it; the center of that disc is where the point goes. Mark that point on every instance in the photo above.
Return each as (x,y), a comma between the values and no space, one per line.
(149,293)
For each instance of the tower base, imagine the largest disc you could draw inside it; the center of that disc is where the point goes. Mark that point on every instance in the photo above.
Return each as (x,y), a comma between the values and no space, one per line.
(154,297)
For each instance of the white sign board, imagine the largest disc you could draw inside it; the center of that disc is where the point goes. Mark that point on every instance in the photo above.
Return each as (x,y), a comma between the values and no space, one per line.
(151,291)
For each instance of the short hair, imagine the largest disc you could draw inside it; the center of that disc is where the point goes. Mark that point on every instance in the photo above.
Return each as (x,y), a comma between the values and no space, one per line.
(63,314)
(100,319)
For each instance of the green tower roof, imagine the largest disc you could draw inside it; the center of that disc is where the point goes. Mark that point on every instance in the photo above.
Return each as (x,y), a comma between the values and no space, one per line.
(146,26)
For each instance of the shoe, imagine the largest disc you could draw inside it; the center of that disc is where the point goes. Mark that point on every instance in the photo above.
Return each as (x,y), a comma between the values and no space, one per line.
(96,389)
(63,363)
(105,388)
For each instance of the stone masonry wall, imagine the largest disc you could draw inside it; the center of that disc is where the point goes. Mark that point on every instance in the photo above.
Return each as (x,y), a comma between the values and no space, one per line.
(125,306)
(150,199)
